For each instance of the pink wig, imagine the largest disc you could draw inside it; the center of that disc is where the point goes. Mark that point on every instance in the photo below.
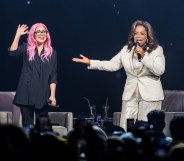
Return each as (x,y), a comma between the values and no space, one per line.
(32,44)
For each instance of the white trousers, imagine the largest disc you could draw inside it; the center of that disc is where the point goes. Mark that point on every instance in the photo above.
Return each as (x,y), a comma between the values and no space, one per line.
(136,108)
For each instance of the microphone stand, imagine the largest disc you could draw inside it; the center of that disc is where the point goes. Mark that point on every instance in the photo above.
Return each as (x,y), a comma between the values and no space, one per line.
(106,108)
(91,108)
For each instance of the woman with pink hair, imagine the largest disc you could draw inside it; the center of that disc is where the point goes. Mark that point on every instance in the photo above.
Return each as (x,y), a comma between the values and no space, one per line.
(38,79)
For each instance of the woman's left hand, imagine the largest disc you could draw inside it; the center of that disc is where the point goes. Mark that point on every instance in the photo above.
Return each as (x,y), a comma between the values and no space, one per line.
(52,101)
(139,51)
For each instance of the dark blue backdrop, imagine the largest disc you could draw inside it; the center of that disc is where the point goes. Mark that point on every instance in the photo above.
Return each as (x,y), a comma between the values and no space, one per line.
(97,29)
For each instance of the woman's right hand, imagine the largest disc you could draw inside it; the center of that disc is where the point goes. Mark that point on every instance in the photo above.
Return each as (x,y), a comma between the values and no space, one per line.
(22,30)
(83,59)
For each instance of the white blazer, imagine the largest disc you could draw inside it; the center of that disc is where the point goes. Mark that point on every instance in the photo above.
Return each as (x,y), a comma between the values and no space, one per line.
(147,80)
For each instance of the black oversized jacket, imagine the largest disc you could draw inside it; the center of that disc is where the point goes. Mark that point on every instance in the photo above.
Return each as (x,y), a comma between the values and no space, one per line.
(35,79)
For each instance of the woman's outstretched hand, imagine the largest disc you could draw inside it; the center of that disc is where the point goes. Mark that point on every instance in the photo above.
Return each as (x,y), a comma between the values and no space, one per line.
(83,59)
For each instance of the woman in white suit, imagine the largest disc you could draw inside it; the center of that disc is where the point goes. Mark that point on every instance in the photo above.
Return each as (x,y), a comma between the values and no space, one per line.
(143,61)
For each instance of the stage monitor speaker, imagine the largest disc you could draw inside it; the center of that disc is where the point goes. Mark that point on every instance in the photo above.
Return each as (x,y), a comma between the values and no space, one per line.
(168,118)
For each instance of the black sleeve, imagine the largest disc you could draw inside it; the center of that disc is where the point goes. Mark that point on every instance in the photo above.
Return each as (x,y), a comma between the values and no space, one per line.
(20,50)
(53,76)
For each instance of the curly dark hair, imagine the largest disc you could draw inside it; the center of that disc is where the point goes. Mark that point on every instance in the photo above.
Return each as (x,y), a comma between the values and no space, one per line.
(152,41)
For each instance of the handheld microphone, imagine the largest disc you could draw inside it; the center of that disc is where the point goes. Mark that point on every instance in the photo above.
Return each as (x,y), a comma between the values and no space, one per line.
(49,103)
(137,43)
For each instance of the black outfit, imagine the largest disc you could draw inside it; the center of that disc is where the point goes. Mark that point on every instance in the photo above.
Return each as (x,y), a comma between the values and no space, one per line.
(34,84)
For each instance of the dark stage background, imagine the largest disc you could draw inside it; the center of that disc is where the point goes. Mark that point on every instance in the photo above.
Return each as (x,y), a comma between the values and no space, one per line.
(97,29)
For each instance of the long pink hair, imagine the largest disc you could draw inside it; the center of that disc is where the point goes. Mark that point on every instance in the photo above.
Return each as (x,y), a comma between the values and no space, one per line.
(32,44)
